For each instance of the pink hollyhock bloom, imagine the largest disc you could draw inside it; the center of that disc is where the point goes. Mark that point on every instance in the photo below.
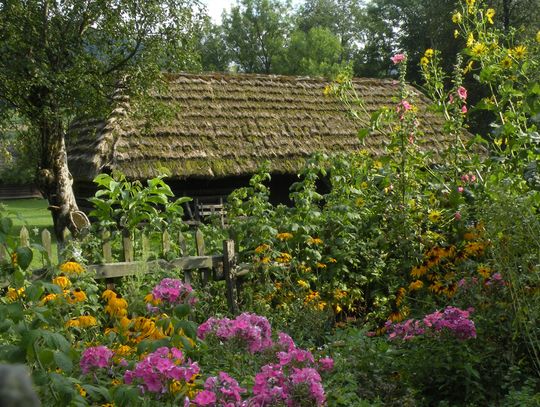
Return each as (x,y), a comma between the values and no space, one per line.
(460,189)
(398,58)
(462,93)
(457,216)
(464,109)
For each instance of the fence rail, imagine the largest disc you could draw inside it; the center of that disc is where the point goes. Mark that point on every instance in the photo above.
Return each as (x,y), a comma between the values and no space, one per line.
(216,267)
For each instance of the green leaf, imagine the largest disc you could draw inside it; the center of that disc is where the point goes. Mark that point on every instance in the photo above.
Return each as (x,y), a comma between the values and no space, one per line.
(125,396)
(24,257)
(181,311)
(189,328)
(5,225)
(34,292)
(97,392)
(45,356)
(63,361)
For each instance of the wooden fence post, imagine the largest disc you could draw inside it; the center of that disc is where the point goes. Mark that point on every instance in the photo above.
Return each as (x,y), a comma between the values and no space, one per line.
(127,244)
(201,251)
(46,242)
(107,255)
(24,237)
(145,246)
(228,267)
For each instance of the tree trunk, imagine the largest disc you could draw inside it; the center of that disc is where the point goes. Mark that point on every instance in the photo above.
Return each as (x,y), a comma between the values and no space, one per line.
(56,181)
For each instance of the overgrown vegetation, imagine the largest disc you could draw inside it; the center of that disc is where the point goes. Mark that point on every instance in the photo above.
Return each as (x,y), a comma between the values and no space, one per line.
(413,281)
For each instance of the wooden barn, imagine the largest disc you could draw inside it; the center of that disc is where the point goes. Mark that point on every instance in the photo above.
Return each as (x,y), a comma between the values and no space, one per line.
(224,126)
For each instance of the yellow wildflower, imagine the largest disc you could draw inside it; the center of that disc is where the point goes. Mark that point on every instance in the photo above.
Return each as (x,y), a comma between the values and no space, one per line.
(14,294)
(315,241)
(62,281)
(507,62)
(284,258)
(436,287)
(303,283)
(478,49)
(490,13)
(470,6)
(71,267)
(484,271)
(75,296)
(327,90)
(284,236)
(262,248)
(469,67)
(456,18)
(434,216)
(377,165)
(416,285)
(321,265)
(72,323)
(107,295)
(538,36)
(265,260)
(400,295)
(359,201)
(86,321)
(81,390)
(418,271)
(116,382)
(332,260)
(429,53)
(519,52)
(424,61)
(48,298)
(456,33)
(470,40)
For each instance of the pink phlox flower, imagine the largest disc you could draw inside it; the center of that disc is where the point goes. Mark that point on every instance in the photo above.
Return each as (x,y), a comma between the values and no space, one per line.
(398,58)
(95,357)
(310,378)
(173,292)
(205,398)
(326,364)
(285,342)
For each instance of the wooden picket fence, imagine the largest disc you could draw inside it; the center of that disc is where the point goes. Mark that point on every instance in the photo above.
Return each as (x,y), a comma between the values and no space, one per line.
(208,267)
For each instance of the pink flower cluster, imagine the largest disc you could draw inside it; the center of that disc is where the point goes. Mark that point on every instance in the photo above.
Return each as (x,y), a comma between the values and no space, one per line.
(157,370)
(452,320)
(462,96)
(251,329)
(293,379)
(468,178)
(173,291)
(221,390)
(96,357)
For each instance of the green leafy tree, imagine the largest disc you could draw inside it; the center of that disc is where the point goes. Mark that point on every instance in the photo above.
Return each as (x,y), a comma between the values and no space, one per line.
(256,32)
(213,49)
(315,53)
(62,59)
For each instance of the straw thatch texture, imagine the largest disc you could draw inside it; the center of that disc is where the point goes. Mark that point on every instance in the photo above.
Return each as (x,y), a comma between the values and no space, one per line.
(229,124)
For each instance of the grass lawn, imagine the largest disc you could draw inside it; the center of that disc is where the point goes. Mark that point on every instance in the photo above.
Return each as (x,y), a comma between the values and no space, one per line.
(34,214)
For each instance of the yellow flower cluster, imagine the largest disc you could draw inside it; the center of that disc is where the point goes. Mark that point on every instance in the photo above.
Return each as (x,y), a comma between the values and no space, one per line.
(14,294)
(284,258)
(71,267)
(84,321)
(75,296)
(490,13)
(262,248)
(284,236)
(116,305)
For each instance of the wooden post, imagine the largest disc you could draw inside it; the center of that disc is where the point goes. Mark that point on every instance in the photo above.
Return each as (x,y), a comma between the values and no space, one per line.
(145,246)
(46,242)
(228,267)
(107,255)
(183,252)
(201,251)
(24,237)
(166,243)
(127,244)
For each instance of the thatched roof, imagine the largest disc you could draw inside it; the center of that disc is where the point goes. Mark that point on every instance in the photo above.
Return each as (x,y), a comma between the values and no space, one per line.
(228,124)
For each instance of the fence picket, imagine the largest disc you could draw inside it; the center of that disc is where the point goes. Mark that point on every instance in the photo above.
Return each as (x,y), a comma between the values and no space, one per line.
(201,249)
(145,246)
(46,242)
(106,246)
(127,244)
(182,244)
(24,237)
(166,242)
(228,267)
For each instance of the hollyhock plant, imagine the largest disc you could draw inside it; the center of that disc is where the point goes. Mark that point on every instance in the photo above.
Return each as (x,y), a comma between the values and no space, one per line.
(96,357)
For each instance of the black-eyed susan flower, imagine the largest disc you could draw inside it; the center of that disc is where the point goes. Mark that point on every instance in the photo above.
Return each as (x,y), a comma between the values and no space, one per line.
(429,53)
(484,271)
(416,285)
(71,267)
(262,248)
(48,298)
(419,271)
(507,62)
(62,281)
(284,236)
(315,241)
(14,294)
(424,61)
(284,258)
(434,216)
(457,18)
(303,283)
(400,295)
(75,296)
(107,295)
